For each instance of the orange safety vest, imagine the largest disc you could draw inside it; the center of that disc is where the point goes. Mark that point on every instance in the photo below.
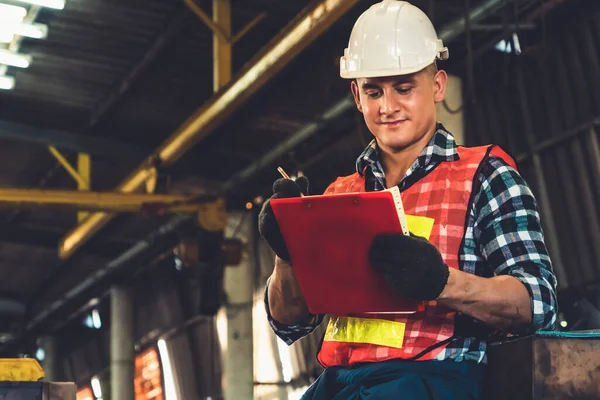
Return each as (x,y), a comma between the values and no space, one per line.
(444,194)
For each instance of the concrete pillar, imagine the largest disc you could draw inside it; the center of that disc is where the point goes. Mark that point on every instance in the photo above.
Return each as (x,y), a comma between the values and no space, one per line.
(238,281)
(122,361)
(51,363)
(454,99)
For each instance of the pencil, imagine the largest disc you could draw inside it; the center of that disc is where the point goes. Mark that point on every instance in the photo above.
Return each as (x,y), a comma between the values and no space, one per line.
(286,176)
(283,173)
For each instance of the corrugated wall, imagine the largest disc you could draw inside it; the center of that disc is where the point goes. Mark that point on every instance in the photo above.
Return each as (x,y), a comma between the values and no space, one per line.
(544,108)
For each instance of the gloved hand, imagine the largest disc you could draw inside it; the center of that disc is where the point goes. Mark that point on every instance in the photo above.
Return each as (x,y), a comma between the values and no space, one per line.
(267,224)
(410,264)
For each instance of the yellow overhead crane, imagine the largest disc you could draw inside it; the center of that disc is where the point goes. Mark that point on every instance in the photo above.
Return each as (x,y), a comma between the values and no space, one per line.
(210,212)
(84,199)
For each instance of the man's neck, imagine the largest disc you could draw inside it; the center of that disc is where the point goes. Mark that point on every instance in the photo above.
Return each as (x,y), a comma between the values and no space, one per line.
(396,163)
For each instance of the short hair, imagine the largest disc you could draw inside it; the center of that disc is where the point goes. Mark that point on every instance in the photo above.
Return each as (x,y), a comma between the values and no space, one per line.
(432,69)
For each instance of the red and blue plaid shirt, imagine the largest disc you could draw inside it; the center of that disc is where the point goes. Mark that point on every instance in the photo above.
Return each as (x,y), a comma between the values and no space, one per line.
(503,237)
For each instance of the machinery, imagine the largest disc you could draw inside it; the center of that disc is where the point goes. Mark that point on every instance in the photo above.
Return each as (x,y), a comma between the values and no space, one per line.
(20,380)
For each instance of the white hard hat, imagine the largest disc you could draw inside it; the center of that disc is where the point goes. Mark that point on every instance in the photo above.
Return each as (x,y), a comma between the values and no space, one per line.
(391,38)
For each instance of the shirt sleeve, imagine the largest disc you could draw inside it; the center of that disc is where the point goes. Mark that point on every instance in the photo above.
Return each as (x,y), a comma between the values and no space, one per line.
(508,230)
(291,333)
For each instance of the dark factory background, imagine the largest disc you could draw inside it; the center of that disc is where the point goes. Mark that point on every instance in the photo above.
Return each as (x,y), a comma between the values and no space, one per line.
(172,100)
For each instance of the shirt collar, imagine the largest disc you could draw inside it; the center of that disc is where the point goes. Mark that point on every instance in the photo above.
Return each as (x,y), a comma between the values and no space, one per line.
(441,147)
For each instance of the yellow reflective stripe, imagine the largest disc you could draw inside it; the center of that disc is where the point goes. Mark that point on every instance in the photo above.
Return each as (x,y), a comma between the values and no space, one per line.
(420,226)
(366,330)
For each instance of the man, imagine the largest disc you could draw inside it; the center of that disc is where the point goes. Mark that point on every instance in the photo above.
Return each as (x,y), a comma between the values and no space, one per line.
(485,269)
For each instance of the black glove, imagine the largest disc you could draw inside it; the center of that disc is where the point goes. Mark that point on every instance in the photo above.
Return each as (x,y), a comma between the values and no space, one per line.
(267,224)
(410,264)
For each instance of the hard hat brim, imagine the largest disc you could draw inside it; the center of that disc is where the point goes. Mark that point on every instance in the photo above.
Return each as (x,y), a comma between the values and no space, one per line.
(383,72)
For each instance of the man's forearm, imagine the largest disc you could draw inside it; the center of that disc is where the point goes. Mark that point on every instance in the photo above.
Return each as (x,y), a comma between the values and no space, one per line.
(286,302)
(502,302)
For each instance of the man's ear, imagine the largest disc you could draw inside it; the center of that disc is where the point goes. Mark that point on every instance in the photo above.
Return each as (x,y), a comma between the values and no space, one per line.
(354,88)
(439,86)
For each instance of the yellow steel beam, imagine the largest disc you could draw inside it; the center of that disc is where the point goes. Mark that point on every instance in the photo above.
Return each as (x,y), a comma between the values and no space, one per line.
(220,30)
(217,30)
(84,167)
(247,28)
(294,38)
(66,165)
(222,45)
(105,201)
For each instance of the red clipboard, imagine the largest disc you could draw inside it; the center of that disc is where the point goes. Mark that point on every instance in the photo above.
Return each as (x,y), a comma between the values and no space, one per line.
(329,237)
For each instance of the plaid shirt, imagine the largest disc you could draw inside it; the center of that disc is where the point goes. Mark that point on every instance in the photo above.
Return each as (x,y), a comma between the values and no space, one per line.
(503,237)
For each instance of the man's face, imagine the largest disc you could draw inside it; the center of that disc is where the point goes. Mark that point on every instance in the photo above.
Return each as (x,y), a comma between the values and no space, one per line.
(400,110)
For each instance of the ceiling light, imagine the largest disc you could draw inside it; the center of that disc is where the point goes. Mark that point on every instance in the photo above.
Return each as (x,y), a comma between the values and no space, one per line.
(14,59)
(35,31)
(504,46)
(6,37)
(510,46)
(11,13)
(517,43)
(57,4)
(96,319)
(40,354)
(97,387)
(7,82)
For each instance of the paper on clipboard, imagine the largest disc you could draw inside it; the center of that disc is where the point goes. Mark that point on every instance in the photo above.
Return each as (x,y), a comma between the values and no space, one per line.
(395,191)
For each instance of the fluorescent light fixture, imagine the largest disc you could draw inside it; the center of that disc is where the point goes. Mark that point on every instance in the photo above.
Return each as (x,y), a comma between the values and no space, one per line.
(10,13)
(14,59)
(507,46)
(96,320)
(7,82)
(178,264)
(56,4)
(93,320)
(169,379)
(34,31)
(96,388)
(40,354)
(503,46)
(5,36)
(517,43)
